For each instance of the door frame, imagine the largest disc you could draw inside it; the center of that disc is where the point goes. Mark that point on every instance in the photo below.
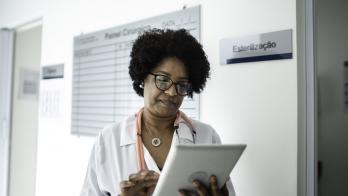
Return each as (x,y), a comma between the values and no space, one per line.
(307,101)
(22,25)
(7,67)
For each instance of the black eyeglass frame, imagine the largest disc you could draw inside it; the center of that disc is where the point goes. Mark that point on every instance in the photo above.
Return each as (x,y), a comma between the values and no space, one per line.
(189,90)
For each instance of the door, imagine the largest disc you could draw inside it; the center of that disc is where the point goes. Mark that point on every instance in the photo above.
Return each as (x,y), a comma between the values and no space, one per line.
(332,96)
(25,106)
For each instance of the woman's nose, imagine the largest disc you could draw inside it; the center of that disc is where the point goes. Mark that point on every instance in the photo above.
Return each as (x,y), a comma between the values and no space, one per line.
(171,91)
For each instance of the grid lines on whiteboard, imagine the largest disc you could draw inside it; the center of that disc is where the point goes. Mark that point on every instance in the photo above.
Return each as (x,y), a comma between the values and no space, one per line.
(102,89)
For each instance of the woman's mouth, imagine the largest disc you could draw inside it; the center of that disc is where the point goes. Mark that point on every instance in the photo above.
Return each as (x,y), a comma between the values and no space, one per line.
(168,103)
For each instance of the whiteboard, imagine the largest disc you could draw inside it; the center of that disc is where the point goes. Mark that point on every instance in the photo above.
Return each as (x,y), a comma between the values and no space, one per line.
(102,89)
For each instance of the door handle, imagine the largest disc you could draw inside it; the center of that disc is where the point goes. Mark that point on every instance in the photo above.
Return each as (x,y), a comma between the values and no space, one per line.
(320,169)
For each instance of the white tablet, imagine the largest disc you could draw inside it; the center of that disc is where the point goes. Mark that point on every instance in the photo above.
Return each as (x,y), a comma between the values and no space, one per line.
(186,163)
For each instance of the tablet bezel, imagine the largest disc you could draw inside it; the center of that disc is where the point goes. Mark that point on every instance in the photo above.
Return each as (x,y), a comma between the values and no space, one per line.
(191,161)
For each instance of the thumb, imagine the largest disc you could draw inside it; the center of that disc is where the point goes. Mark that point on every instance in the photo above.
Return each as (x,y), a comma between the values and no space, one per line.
(150,190)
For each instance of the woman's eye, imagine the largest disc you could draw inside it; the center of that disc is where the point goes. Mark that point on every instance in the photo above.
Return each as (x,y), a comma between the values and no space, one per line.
(162,79)
(183,85)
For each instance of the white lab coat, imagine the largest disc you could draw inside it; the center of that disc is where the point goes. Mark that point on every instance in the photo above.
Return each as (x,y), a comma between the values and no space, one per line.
(113,156)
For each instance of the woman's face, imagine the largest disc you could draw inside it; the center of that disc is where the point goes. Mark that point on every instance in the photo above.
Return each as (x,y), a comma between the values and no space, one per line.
(165,103)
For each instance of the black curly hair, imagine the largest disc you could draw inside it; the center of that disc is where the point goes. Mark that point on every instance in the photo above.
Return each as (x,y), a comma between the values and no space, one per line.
(154,45)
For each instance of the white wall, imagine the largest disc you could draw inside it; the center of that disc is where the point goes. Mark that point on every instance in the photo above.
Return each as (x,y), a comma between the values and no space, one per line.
(332,41)
(14,12)
(253,103)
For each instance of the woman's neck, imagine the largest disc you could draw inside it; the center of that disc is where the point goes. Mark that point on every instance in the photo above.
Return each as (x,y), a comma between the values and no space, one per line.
(155,124)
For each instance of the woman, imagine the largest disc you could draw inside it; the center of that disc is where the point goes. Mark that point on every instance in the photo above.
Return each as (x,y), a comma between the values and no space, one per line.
(127,157)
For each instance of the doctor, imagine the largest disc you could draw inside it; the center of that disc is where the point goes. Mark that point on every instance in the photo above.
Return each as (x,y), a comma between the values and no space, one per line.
(128,157)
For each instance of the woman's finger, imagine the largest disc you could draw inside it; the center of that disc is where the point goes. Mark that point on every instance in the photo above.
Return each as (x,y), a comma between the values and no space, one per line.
(146,184)
(143,185)
(224,190)
(133,177)
(214,186)
(138,175)
(184,193)
(126,185)
(151,175)
(140,183)
(200,188)
(143,175)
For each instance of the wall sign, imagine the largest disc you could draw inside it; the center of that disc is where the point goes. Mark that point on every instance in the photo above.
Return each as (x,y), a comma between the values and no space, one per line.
(261,47)
(28,84)
(53,71)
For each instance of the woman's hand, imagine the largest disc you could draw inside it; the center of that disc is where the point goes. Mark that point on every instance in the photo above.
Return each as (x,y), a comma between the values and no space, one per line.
(202,190)
(141,183)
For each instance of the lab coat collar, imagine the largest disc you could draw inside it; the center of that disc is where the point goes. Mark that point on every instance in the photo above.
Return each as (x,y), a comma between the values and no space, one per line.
(184,133)
(128,131)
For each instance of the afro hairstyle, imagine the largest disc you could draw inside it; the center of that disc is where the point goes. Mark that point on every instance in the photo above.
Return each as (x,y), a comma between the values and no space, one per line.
(155,45)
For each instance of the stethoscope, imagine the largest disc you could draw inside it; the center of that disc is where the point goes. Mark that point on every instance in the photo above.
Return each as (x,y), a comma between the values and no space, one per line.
(180,118)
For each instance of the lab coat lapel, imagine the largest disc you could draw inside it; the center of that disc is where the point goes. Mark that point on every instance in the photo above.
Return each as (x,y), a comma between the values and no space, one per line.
(184,134)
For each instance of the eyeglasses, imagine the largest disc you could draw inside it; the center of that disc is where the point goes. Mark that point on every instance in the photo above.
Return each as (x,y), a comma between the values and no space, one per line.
(164,83)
